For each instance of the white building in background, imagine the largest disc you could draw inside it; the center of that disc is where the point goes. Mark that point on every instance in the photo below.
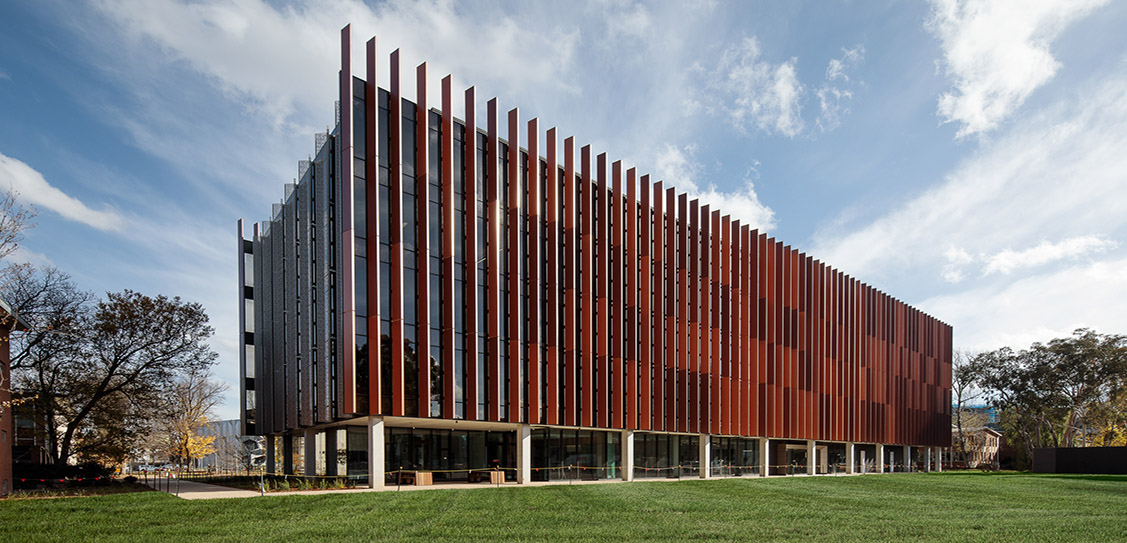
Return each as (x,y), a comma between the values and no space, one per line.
(231,447)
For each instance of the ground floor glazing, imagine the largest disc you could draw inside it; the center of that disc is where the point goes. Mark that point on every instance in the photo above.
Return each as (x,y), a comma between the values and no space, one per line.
(422,451)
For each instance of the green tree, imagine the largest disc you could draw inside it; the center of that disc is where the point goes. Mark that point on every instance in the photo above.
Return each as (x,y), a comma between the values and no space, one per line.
(1053,395)
(100,371)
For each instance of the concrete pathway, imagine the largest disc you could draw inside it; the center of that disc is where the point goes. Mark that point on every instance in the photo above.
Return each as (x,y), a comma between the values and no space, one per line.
(191,490)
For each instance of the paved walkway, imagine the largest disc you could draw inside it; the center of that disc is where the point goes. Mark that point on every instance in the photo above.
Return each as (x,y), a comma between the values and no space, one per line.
(191,490)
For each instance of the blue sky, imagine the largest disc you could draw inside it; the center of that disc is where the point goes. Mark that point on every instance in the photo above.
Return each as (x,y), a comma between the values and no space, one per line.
(967,157)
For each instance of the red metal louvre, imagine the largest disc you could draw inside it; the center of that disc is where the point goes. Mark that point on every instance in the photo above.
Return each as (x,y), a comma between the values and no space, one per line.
(615,297)
(630,286)
(700,309)
(553,292)
(513,280)
(647,347)
(371,186)
(470,249)
(532,241)
(705,371)
(395,116)
(447,157)
(587,310)
(684,322)
(726,320)
(493,263)
(571,299)
(675,280)
(602,287)
(422,236)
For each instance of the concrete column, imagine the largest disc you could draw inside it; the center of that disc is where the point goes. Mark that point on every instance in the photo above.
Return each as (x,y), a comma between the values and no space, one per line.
(938,459)
(376,468)
(907,458)
(927,459)
(811,457)
(864,466)
(310,467)
(849,450)
(705,456)
(524,454)
(270,462)
(764,457)
(628,455)
(287,454)
(880,458)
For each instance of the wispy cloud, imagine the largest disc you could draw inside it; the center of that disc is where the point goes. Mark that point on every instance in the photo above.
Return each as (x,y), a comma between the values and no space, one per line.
(1007,261)
(1036,308)
(679,167)
(34,189)
(836,92)
(1055,175)
(754,94)
(4,75)
(996,54)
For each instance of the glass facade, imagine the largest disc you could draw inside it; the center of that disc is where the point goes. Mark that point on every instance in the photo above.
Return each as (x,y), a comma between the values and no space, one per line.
(452,455)
(733,456)
(666,455)
(561,454)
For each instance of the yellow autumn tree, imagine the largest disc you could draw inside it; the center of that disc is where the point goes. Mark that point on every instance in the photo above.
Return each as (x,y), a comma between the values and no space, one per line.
(194,397)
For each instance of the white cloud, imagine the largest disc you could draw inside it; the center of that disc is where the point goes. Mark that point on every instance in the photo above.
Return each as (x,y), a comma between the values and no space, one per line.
(35,190)
(678,167)
(276,60)
(834,95)
(957,260)
(997,54)
(1058,174)
(1037,308)
(624,18)
(1006,261)
(4,75)
(757,95)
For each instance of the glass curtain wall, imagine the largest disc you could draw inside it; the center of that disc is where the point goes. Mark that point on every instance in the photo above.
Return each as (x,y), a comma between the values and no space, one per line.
(452,455)
(666,455)
(734,456)
(562,454)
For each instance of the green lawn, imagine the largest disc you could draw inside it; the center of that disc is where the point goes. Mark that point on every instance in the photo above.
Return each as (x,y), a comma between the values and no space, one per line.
(942,507)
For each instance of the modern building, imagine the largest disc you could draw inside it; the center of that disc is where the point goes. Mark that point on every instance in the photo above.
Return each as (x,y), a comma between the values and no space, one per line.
(233,450)
(430,297)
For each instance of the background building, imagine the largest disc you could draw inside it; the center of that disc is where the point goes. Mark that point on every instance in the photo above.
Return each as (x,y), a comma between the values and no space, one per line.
(232,448)
(429,296)
(8,323)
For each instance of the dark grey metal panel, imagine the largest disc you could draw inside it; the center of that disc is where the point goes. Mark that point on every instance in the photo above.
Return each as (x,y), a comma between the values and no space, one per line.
(264,299)
(277,323)
(322,276)
(305,296)
(290,302)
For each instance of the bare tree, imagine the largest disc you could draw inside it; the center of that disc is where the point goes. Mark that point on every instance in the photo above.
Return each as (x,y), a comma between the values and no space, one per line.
(14,220)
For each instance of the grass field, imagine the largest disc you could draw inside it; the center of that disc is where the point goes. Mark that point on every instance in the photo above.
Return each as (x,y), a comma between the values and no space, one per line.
(908,507)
